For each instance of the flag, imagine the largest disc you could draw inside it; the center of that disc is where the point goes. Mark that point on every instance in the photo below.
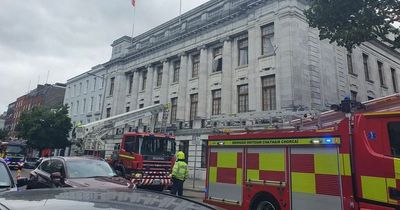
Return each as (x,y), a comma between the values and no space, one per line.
(133,2)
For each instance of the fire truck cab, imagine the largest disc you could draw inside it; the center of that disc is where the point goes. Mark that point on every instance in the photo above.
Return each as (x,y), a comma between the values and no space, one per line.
(351,164)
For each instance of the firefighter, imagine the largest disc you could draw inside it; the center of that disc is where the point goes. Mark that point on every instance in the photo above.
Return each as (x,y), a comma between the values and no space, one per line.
(179,174)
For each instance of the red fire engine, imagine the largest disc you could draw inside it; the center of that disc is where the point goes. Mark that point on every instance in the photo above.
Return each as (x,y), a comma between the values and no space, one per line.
(347,162)
(144,157)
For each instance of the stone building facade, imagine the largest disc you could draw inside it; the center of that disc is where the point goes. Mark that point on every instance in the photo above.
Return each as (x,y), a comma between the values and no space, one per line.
(237,56)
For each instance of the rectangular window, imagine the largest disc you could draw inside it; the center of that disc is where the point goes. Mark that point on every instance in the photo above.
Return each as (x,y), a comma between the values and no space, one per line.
(71,108)
(84,106)
(94,83)
(112,80)
(99,103)
(370,98)
(174,109)
(366,70)
(195,65)
(216,102)
(144,79)
(268,93)
(243,48)
(69,92)
(177,67)
(394,80)
(353,95)
(141,106)
(156,102)
(394,136)
(91,103)
(108,112)
(381,73)
(243,98)
(267,39)
(87,86)
(130,83)
(75,90)
(77,107)
(127,109)
(102,81)
(80,88)
(193,106)
(159,76)
(350,63)
(217,59)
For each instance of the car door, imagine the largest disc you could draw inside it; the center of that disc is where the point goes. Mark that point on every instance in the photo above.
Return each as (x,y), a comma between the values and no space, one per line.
(42,179)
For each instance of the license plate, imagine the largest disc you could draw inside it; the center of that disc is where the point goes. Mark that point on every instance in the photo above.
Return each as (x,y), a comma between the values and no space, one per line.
(156,181)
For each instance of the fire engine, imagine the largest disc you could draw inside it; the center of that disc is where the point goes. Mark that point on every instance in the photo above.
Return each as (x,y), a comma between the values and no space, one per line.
(144,157)
(335,161)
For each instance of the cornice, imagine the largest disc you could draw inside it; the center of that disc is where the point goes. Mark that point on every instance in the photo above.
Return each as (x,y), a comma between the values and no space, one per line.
(239,8)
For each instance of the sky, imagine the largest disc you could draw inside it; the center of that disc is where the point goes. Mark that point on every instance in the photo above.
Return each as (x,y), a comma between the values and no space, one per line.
(54,40)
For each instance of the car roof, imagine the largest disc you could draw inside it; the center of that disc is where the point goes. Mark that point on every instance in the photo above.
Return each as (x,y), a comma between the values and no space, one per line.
(72,158)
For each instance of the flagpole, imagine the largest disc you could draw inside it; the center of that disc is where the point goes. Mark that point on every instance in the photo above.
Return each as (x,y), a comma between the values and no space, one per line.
(180,10)
(133,25)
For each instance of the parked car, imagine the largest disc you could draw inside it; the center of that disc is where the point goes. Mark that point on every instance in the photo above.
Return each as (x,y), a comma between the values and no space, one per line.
(31,163)
(75,172)
(95,199)
(6,180)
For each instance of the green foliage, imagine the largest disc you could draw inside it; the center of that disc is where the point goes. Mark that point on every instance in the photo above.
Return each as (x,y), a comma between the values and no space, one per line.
(3,134)
(43,128)
(351,22)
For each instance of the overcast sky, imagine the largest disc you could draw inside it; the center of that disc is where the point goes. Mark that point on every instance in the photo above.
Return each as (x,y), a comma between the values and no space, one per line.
(67,37)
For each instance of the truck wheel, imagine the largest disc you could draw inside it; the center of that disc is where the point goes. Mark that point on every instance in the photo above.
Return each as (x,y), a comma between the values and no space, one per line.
(265,202)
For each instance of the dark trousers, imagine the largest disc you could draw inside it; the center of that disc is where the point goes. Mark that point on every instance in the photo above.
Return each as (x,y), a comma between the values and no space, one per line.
(177,186)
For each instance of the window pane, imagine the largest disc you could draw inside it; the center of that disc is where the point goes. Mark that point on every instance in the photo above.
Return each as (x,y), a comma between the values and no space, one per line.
(268,93)
(394,135)
(267,33)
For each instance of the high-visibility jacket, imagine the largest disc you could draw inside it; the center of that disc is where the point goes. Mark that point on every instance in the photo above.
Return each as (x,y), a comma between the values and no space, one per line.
(180,170)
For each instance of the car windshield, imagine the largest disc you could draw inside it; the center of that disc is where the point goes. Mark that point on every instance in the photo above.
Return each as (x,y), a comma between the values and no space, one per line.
(158,146)
(5,179)
(14,149)
(88,169)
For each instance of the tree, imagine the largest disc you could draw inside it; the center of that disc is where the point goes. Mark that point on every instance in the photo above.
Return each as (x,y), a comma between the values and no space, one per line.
(3,134)
(44,128)
(351,22)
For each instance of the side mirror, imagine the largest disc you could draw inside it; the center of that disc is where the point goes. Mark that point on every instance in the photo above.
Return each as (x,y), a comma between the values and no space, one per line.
(56,178)
(22,181)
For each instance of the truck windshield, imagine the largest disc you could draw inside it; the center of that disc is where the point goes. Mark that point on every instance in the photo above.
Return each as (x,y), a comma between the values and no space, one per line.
(131,144)
(15,149)
(158,146)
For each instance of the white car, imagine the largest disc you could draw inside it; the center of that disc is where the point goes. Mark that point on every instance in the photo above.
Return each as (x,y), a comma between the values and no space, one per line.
(6,180)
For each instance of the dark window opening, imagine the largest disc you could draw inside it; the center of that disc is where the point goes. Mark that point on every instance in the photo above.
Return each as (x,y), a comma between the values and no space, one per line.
(394,137)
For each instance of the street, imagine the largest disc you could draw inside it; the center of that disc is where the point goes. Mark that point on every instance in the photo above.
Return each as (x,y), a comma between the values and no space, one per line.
(189,194)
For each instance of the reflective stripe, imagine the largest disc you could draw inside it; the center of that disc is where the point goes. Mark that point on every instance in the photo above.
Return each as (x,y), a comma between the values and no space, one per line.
(344,161)
(212,176)
(272,161)
(391,183)
(127,156)
(397,167)
(239,176)
(374,188)
(303,182)
(326,164)
(253,174)
(227,159)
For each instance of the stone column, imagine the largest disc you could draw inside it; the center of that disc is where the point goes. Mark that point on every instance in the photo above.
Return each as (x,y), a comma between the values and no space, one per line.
(254,83)
(165,82)
(149,86)
(203,83)
(135,90)
(183,74)
(226,92)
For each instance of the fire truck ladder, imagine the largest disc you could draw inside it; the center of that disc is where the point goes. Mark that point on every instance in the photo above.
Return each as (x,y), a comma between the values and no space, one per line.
(297,119)
(95,131)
